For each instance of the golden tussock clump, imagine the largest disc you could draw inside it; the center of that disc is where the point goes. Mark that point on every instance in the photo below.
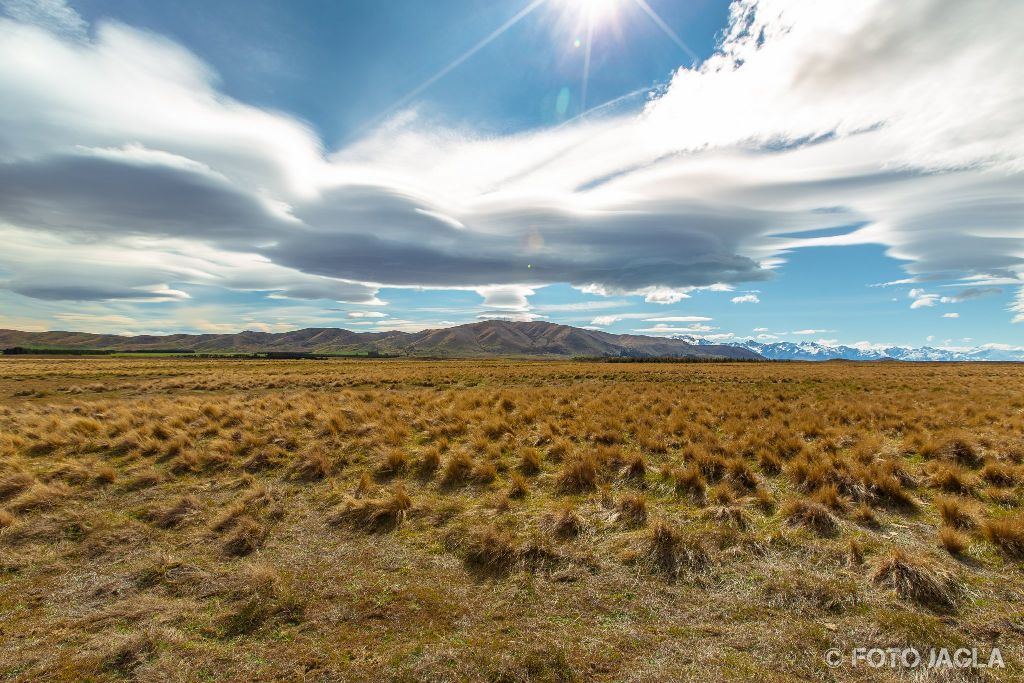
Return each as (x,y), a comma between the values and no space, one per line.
(578,475)
(518,486)
(632,509)
(530,461)
(14,483)
(490,549)
(311,466)
(812,515)
(247,535)
(173,515)
(38,497)
(674,554)
(689,481)
(429,461)
(956,512)
(374,514)
(955,542)
(1006,534)
(951,478)
(6,519)
(566,522)
(458,469)
(395,462)
(917,580)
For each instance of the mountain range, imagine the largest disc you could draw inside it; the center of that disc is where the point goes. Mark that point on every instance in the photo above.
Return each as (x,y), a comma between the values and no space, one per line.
(809,350)
(491,338)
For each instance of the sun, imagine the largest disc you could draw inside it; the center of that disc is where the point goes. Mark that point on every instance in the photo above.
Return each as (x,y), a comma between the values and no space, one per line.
(594,11)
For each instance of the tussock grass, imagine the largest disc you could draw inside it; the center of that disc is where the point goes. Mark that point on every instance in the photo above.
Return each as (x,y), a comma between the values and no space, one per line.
(246,536)
(917,580)
(14,483)
(375,514)
(632,510)
(231,511)
(674,554)
(812,515)
(1006,534)
(578,475)
(566,522)
(956,512)
(173,515)
(955,542)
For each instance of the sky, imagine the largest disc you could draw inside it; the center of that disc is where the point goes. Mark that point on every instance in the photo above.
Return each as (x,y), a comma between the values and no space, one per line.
(775,170)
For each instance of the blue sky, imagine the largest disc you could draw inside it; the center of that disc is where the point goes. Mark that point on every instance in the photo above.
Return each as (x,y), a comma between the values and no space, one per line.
(771,169)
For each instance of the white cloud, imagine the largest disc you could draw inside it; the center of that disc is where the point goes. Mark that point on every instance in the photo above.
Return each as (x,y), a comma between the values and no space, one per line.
(611,319)
(663,329)
(767,337)
(746,299)
(511,297)
(678,319)
(917,143)
(366,314)
(950,315)
(1018,306)
(52,15)
(809,332)
(760,329)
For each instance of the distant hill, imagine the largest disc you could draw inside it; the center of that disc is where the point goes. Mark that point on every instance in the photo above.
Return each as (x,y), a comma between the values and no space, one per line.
(491,338)
(808,350)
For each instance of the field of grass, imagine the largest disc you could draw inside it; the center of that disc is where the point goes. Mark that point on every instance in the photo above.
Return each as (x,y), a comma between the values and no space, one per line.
(201,520)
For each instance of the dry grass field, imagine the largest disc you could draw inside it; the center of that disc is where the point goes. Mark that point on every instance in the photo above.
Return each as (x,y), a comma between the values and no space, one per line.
(206,520)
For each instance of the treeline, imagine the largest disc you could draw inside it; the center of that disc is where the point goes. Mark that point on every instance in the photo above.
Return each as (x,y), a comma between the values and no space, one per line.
(28,351)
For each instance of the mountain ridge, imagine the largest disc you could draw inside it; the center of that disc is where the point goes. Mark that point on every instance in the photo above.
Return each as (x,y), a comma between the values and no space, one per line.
(814,351)
(489,338)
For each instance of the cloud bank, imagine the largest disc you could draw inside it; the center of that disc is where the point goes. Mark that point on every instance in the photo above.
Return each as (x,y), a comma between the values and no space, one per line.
(126,174)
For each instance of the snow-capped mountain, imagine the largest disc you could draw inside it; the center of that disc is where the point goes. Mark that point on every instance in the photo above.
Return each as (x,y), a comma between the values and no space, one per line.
(808,350)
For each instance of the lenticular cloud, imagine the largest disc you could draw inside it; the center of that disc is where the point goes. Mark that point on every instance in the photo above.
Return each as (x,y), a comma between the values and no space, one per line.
(890,123)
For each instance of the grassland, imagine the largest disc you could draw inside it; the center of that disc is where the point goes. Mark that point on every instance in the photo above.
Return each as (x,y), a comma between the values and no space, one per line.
(194,520)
